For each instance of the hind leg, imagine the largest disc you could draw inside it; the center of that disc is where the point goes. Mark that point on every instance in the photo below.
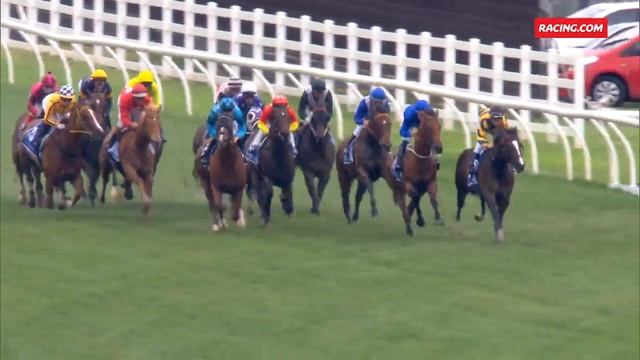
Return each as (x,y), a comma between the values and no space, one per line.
(31,186)
(483,209)
(286,199)
(217,209)
(78,188)
(322,185)
(48,186)
(62,205)
(309,180)
(345,191)
(22,193)
(132,174)
(462,195)
(432,189)
(362,188)
(39,188)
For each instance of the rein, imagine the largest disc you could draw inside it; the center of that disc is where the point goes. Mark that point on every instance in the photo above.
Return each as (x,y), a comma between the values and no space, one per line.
(414,152)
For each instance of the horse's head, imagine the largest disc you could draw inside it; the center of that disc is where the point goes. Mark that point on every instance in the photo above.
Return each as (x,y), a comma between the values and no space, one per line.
(319,124)
(279,125)
(429,130)
(508,147)
(98,102)
(150,122)
(380,127)
(225,128)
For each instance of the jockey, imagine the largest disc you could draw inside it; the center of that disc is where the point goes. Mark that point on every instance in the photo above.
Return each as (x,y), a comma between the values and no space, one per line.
(410,121)
(47,85)
(263,125)
(145,77)
(56,106)
(97,83)
(131,102)
(490,120)
(315,97)
(226,106)
(377,98)
(229,89)
(248,98)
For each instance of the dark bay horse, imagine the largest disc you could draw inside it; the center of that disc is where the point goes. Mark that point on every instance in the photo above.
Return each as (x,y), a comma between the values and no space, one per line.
(276,166)
(226,174)
(91,147)
(137,155)
(496,176)
(25,166)
(62,154)
(419,172)
(316,154)
(371,162)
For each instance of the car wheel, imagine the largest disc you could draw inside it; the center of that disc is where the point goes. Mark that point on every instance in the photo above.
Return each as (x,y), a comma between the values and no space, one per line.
(611,86)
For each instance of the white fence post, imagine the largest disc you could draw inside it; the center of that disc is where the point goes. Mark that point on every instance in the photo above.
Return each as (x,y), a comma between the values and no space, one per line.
(578,93)
(552,87)
(449,71)
(425,59)
(352,48)
(525,75)
(328,51)
(167,34)
(258,33)
(305,42)
(281,53)
(474,70)
(212,29)
(189,40)
(401,67)
(121,27)
(98,27)
(234,20)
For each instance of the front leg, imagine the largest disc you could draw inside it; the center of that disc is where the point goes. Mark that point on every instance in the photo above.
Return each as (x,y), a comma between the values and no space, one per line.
(483,209)
(432,189)
(363,178)
(309,181)
(362,188)
(132,175)
(78,189)
(490,199)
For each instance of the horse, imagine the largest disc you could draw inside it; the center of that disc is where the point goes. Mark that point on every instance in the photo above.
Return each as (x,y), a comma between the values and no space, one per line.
(138,157)
(496,176)
(91,148)
(419,172)
(25,166)
(276,166)
(316,154)
(371,158)
(226,174)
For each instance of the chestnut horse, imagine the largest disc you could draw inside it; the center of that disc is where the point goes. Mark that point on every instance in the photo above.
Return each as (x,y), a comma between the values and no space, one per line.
(226,174)
(276,166)
(137,155)
(496,176)
(316,154)
(419,172)
(371,161)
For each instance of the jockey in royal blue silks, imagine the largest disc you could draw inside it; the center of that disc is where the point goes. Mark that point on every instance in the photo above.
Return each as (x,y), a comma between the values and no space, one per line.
(97,83)
(248,99)
(226,107)
(410,120)
(377,98)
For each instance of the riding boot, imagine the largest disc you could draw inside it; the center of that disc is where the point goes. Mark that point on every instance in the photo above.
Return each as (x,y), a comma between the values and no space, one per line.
(473,171)
(348,151)
(41,132)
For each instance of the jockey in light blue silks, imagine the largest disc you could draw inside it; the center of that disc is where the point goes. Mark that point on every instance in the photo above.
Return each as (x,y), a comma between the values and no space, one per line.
(375,101)
(225,107)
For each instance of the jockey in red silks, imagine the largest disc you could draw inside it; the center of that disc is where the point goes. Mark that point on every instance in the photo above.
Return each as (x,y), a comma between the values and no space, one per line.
(131,102)
(47,85)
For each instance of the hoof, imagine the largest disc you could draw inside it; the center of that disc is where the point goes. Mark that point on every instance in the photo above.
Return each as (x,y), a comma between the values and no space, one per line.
(250,211)
(315,211)
(32,203)
(22,200)
(478,217)
(409,231)
(69,203)
(224,223)
(128,193)
(215,227)
(420,222)
(439,222)
(62,206)
(374,213)
(355,218)
(500,236)
(114,194)
(241,223)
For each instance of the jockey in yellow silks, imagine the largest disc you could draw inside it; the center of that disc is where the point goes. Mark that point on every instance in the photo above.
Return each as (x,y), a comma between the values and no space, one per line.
(145,77)
(490,119)
(56,106)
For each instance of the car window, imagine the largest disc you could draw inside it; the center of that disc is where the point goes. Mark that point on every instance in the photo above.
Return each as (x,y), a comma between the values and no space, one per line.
(633,50)
(622,16)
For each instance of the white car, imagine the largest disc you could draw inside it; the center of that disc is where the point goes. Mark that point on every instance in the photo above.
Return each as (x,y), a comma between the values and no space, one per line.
(616,13)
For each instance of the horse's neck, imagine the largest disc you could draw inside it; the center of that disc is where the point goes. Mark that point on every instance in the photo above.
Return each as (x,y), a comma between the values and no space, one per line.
(421,144)
(141,138)
(280,148)
(501,167)
(228,151)
(68,143)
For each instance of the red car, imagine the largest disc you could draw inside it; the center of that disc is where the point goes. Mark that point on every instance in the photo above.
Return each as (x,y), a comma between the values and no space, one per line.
(611,71)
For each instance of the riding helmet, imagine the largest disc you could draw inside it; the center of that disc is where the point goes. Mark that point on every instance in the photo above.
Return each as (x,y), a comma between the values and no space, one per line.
(67,92)
(234,82)
(145,76)
(377,93)
(318,85)
(422,105)
(48,80)
(249,88)
(139,91)
(99,74)
(227,104)
(280,100)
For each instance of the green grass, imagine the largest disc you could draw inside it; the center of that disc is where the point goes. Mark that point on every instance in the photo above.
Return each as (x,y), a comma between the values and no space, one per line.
(102,284)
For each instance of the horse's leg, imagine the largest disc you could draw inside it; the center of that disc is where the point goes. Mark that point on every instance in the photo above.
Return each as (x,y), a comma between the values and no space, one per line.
(286,199)
(345,191)
(309,180)
(322,185)
(502,200)
(490,199)
(62,205)
(78,188)
(363,177)
(462,195)
(362,188)
(432,189)
(106,171)
(268,195)
(30,183)
(128,191)
(236,205)
(131,174)
(420,219)
(483,209)
(91,168)
(39,188)
(216,209)
(22,193)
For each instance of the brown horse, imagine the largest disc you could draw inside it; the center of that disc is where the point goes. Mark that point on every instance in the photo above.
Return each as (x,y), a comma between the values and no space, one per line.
(495,176)
(26,167)
(226,174)
(316,154)
(91,147)
(276,166)
(419,172)
(137,157)
(371,159)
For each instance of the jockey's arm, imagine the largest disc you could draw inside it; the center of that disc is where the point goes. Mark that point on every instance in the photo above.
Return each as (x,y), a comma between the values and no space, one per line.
(407,123)
(125,114)
(32,103)
(155,93)
(213,116)
(50,113)
(361,112)
(242,124)
(303,105)
(293,118)
(264,119)
(258,102)
(328,103)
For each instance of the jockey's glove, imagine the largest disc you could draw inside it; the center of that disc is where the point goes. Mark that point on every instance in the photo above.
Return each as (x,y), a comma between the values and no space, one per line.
(294,126)
(60,126)
(263,127)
